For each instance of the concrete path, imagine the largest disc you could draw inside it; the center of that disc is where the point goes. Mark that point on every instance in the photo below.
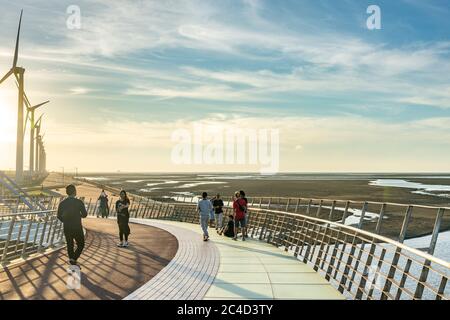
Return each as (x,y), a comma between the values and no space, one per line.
(247,270)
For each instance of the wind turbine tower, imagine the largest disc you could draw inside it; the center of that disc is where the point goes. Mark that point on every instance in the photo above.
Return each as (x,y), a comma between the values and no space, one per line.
(19,74)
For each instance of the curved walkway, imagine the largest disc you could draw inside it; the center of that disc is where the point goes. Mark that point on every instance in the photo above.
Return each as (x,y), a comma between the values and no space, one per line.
(227,269)
(190,273)
(108,272)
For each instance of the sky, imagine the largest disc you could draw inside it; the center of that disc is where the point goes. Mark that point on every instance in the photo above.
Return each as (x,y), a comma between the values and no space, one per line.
(343,98)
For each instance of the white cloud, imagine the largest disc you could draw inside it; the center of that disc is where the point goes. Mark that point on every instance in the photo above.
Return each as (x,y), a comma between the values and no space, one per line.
(341,142)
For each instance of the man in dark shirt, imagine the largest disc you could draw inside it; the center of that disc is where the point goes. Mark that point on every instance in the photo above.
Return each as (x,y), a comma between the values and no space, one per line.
(70,212)
(218,205)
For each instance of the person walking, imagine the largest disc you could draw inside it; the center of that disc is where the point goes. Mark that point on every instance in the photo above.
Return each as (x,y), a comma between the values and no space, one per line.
(239,206)
(218,211)
(103,207)
(70,212)
(242,196)
(123,217)
(204,208)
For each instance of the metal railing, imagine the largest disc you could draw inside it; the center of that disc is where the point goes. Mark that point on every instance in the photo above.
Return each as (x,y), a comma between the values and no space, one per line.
(359,263)
(392,220)
(23,234)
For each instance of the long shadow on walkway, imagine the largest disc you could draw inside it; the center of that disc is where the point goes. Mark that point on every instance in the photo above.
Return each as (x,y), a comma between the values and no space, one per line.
(108,272)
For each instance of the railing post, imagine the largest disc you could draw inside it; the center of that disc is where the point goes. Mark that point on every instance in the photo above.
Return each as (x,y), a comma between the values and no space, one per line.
(53,225)
(405,224)
(363,213)
(380,218)
(319,209)
(308,209)
(263,227)
(403,280)
(441,289)
(19,234)
(346,272)
(27,237)
(344,215)
(297,205)
(425,269)
(151,210)
(287,205)
(8,239)
(362,282)
(41,241)
(376,276)
(333,205)
(297,247)
(144,211)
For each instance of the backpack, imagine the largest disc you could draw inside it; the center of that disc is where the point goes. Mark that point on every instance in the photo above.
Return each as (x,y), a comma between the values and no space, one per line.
(242,208)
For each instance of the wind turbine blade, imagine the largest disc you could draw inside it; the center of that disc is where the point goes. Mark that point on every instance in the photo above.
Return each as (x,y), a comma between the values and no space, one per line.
(26,99)
(40,105)
(10,72)
(16,52)
(38,122)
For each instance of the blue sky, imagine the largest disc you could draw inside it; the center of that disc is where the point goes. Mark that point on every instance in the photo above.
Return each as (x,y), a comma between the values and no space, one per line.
(372,100)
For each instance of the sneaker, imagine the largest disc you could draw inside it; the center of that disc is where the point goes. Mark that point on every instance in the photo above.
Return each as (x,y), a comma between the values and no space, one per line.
(120,244)
(125,244)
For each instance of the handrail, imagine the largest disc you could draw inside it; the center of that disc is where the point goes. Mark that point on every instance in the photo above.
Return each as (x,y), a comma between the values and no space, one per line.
(359,263)
(26,233)
(400,245)
(361,231)
(348,257)
(353,201)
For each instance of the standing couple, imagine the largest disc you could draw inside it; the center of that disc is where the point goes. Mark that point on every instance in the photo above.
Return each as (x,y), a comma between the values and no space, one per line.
(205,206)
(70,212)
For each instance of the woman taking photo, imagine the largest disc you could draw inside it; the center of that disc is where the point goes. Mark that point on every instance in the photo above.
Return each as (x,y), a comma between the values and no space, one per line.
(123,216)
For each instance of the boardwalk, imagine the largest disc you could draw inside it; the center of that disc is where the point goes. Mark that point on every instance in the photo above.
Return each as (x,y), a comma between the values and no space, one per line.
(245,270)
(167,261)
(108,272)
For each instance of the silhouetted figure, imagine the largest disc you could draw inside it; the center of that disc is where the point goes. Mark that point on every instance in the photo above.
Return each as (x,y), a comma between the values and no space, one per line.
(123,217)
(103,207)
(228,230)
(70,212)
(218,211)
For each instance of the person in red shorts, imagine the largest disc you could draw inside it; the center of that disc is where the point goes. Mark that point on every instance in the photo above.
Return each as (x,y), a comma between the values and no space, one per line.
(240,208)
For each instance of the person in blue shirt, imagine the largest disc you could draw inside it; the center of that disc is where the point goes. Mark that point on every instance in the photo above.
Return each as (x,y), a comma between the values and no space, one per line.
(204,208)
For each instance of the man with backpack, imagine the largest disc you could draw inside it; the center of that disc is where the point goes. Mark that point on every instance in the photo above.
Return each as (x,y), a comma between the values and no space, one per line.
(240,209)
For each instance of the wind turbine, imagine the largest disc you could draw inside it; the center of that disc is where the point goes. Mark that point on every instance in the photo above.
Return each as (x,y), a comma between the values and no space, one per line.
(30,111)
(38,142)
(18,72)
